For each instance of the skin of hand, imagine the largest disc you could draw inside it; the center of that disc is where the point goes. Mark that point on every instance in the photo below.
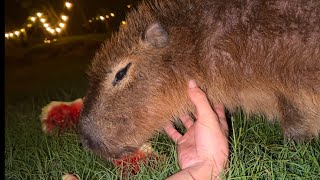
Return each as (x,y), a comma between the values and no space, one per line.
(203,150)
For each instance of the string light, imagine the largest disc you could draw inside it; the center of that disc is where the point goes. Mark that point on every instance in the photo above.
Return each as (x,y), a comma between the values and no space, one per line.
(64,17)
(68,5)
(58,30)
(33,19)
(47,40)
(43,20)
(39,14)
(62,25)
(17,33)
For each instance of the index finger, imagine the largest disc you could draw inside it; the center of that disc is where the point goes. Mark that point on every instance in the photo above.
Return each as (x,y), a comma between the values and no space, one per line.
(204,110)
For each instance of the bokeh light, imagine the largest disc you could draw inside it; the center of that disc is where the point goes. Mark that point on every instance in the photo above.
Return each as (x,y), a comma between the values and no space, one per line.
(58,30)
(68,5)
(64,17)
(39,14)
(33,19)
(17,33)
(43,20)
(62,25)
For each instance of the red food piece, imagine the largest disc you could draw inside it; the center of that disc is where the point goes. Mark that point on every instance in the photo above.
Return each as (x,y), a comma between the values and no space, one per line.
(130,163)
(60,115)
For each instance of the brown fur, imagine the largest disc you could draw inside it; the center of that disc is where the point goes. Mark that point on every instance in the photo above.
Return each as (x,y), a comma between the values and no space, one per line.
(261,55)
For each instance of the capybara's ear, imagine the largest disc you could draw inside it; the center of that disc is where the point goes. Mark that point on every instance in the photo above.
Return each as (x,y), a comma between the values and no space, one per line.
(156,36)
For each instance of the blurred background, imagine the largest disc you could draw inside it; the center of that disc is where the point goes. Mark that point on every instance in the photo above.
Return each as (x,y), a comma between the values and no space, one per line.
(27,21)
(50,43)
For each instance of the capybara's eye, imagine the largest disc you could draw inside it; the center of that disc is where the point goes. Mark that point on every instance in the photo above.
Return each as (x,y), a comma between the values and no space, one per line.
(120,74)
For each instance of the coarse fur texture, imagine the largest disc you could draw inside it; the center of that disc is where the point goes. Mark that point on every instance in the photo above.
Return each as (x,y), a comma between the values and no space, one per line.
(260,55)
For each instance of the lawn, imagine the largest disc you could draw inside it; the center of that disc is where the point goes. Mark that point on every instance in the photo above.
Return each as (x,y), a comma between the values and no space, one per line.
(40,74)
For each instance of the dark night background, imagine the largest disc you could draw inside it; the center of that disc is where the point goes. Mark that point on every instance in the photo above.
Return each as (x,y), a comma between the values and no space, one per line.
(28,55)
(17,11)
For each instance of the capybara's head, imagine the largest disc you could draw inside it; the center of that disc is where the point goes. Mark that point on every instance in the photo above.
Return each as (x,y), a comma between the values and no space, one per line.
(137,84)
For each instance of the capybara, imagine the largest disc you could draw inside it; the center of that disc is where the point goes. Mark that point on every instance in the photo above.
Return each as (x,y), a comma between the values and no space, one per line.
(260,55)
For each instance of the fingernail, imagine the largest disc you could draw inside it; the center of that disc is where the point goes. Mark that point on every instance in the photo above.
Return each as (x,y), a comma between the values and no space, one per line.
(192,84)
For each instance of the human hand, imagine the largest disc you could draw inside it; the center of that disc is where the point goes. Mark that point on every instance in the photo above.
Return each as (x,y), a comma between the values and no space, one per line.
(204,147)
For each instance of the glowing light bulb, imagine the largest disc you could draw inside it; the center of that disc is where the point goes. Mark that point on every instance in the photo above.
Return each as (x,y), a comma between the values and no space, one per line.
(29,25)
(129,6)
(39,14)
(62,25)
(43,20)
(7,35)
(47,40)
(112,14)
(107,16)
(90,21)
(58,30)
(48,28)
(64,17)
(11,34)
(123,22)
(17,33)
(46,25)
(22,30)
(68,5)
(102,18)
(33,19)
(52,31)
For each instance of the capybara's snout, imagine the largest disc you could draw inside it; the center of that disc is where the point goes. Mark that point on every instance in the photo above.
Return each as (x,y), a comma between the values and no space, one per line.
(100,142)
(90,141)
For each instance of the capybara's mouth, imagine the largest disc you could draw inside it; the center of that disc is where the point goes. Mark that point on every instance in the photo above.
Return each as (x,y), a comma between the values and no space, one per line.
(121,153)
(110,156)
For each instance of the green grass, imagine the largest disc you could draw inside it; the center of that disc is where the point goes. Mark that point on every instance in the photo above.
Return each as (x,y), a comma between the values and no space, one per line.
(258,149)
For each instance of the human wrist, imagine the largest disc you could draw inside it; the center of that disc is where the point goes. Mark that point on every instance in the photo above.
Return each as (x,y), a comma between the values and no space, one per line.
(200,171)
